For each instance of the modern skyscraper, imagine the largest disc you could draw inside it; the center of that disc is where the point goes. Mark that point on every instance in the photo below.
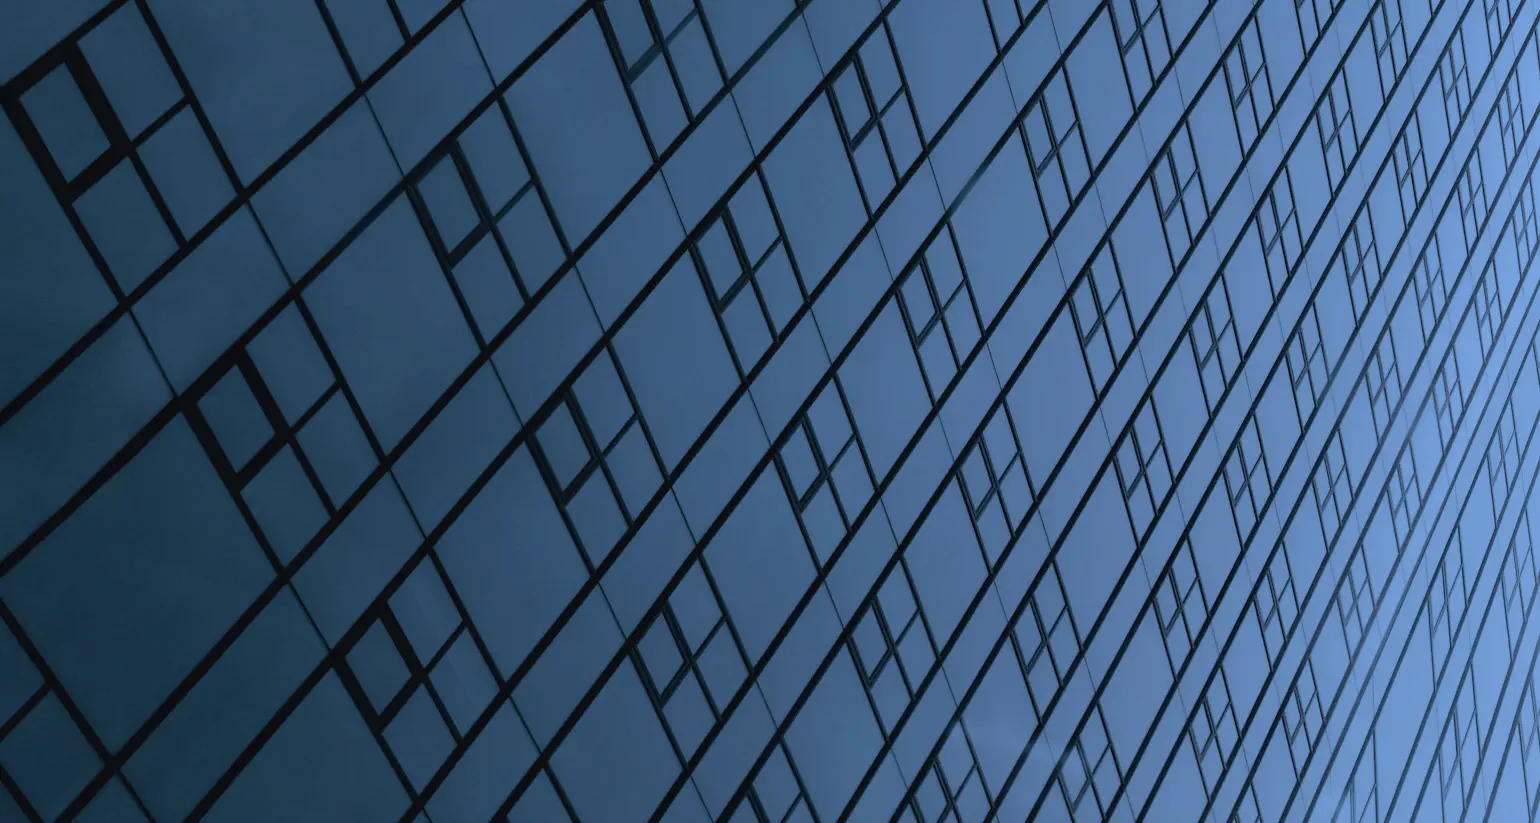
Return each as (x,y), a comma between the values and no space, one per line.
(758,410)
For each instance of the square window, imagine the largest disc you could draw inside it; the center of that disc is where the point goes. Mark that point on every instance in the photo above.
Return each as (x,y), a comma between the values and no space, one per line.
(377,664)
(903,140)
(1077,171)
(1049,600)
(494,158)
(1039,142)
(852,101)
(236,418)
(658,97)
(209,300)
(635,470)
(721,666)
(579,128)
(716,251)
(65,122)
(852,482)
(128,626)
(368,31)
(897,600)
(597,517)
(814,186)
(531,241)
(824,526)
(285,505)
(945,272)
(797,457)
(630,25)
(881,70)
(936,357)
(890,695)
(660,654)
(697,68)
(747,328)
(291,363)
(688,714)
(778,284)
(444,193)
(1042,679)
(186,172)
(830,424)
(833,737)
(999,440)
(126,226)
(265,73)
(419,738)
(695,607)
(424,610)
(873,168)
(438,82)
(915,653)
(488,287)
(993,530)
(602,396)
(464,682)
(753,219)
(563,446)
(871,645)
(130,68)
(776,786)
(976,476)
(1055,199)
(390,319)
(1063,644)
(1057,102)
(956,761)
(676,362)
(617,763)
(335,445)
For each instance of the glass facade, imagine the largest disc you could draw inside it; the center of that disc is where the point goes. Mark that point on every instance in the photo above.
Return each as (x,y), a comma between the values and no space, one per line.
(452,411)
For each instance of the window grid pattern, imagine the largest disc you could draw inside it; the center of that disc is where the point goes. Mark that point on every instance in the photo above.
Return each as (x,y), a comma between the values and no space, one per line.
(683,410)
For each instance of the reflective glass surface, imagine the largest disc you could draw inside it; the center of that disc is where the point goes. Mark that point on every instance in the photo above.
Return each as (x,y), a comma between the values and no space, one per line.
(667,411)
